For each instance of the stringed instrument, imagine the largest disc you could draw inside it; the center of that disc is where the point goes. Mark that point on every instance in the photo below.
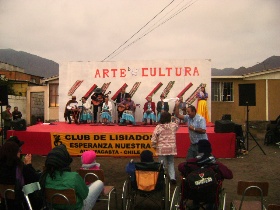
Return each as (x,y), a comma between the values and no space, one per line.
(98,100)
(122,107)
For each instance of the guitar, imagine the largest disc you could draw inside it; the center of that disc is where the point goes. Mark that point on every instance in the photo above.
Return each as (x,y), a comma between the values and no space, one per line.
(98,100)
(122,107)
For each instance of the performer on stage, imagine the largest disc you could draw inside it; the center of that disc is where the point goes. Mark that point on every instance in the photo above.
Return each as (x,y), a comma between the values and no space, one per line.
(129,107)
(121,97)
(85,109)
(202,108)
(149,111)
(97,100)
(72,108)
(106,115)
(161,107)
(182,108)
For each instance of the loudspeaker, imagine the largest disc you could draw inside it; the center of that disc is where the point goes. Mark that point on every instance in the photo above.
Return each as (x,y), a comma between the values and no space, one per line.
(3,95)
(18,125)
(226,117)
(224,126)
(247,94)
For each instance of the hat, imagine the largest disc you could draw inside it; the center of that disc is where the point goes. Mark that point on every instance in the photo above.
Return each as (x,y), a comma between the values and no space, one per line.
(128,96)
(88,157)
(146,156)
(162,96)
(98,90)
(73,97)
(204,146)
(16,140)
(59,157)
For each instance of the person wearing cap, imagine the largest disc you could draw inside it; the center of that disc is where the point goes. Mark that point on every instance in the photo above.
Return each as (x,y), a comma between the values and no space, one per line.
(71,108)
(17,171)
(146,156)
(16,114)
(162,106)
(149,111)
(129,109)
(196,125)
(204,158)
(164,142)
(58,175)
(7,117)
(97,99)
(88,159)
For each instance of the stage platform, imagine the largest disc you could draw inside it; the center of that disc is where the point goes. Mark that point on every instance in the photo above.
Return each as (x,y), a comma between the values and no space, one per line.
(112,140)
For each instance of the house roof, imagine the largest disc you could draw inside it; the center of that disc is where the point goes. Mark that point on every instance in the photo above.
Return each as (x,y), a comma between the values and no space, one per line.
(267,66)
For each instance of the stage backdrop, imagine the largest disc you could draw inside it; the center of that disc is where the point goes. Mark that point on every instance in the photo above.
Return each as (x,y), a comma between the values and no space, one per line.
(173,78)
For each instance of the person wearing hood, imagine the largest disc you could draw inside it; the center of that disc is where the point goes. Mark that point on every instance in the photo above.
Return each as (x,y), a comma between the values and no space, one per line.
(17,171)
(58,175)
(205,157)
(164,142)
(88,159)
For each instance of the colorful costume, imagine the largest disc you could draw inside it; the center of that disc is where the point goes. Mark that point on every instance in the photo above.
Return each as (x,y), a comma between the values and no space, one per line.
(202,105)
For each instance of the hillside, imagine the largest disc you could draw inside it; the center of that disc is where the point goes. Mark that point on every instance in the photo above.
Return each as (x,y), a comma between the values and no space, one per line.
(32,64)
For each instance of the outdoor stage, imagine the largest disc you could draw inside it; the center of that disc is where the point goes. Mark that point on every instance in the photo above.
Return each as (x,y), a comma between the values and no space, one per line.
(39,139)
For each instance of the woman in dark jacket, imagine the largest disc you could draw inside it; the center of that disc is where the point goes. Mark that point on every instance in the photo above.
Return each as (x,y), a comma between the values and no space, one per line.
(16,172)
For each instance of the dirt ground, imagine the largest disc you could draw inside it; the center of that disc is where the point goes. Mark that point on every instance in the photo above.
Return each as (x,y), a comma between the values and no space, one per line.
(254,166)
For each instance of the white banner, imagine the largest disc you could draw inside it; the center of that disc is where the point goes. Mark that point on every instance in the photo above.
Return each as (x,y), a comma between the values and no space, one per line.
(141,78)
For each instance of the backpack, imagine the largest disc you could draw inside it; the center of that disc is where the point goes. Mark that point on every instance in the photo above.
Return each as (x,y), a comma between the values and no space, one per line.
(201,184)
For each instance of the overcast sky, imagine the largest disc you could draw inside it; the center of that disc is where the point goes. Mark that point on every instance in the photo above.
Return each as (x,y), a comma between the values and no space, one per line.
(232,33)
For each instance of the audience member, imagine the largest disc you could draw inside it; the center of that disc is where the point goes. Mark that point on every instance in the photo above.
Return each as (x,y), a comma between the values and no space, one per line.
(146,156)
(58,175)
(7,117)
(205,158)
(16,114)
(17,171)
(89,160)
(197,128)
(164,141)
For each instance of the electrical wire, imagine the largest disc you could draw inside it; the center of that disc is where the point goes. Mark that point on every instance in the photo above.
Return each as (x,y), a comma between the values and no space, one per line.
(152,29)
(139,30)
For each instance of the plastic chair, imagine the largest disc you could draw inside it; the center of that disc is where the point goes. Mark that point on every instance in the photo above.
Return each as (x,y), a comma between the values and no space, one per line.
(7,192)
(250,188)
(28,189)
(90,176)
(66,196)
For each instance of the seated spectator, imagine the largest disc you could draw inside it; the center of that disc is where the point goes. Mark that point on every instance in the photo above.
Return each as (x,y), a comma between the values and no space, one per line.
(205,158)
(89,160)
(18,172)
(58,175)
(146,156)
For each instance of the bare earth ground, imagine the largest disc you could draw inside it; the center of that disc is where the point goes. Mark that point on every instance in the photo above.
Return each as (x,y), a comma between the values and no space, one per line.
(255,166)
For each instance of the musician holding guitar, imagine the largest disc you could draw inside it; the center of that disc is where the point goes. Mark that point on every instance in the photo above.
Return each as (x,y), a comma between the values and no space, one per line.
(97,99)
(121,97)
(128,107)
(72,108)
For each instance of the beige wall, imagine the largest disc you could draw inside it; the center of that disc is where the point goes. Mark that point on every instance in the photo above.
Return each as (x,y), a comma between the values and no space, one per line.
(273,99)
(239,113)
